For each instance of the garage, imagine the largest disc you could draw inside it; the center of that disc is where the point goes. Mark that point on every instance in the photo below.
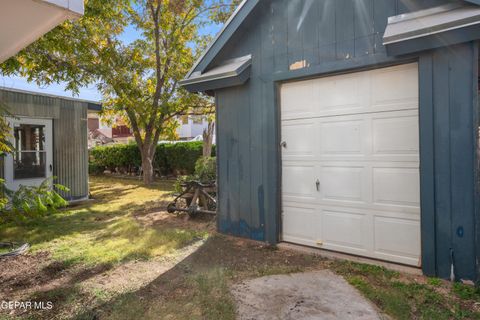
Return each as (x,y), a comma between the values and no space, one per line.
(350,163)
(351,127)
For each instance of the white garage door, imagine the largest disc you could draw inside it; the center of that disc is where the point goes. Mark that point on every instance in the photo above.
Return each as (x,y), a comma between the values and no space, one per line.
(350,163)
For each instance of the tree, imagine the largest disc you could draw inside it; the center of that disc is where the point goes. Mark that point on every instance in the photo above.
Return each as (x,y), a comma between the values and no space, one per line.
(138,80)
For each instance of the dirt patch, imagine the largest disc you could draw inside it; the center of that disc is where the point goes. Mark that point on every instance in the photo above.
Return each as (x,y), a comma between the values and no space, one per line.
(163,219)
(133,275)
(27,273)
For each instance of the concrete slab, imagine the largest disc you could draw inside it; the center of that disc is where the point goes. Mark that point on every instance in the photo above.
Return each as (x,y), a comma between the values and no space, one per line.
(312,295)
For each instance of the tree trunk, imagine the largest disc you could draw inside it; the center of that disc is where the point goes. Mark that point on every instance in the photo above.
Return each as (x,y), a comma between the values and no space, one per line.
(147,166)
(208,139)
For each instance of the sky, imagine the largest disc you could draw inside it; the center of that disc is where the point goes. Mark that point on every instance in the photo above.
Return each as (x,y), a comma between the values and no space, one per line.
(88,93)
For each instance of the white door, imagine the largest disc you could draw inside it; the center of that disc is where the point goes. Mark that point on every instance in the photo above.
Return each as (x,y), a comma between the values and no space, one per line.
(31,162)
(350,163)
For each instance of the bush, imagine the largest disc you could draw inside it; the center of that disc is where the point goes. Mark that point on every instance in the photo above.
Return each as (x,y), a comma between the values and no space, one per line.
(206,169)
(31,201)
(178,158)
(205,172)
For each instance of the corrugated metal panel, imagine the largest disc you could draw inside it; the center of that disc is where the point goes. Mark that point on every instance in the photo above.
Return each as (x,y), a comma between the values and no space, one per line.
(70,155)
(30,105)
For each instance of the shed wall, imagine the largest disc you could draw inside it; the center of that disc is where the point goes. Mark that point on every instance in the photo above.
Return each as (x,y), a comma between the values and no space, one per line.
(70,153)
(298,39)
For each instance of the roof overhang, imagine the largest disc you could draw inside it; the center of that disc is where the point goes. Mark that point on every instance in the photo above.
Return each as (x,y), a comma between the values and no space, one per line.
(24,21)
(474,1)
(432,28)
(228,74)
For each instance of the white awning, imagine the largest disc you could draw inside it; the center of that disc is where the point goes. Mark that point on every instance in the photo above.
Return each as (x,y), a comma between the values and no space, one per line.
(24,21)
(431,21)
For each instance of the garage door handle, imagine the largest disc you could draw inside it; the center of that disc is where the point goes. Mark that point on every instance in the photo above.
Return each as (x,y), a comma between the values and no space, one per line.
(317,183)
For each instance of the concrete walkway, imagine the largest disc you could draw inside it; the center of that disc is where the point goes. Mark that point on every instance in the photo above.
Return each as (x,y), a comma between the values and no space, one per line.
(313,295)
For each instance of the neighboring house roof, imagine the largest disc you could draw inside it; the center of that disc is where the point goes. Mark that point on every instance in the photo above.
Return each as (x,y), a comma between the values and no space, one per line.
(104,132)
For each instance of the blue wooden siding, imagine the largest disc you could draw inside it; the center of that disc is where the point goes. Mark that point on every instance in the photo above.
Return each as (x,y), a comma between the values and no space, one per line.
(331,36)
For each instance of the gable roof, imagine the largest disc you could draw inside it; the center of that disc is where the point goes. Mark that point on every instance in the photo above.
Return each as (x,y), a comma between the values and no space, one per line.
(232,24)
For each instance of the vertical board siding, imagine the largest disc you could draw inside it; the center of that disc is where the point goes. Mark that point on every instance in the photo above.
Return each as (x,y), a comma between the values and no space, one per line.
(427,166)
(476,139)
(462,167)
(289,37)
(454,149)
(442,159)
(70,154)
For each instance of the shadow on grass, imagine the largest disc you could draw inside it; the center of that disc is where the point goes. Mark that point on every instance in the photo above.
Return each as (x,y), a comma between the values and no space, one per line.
(198,286)
(115,199)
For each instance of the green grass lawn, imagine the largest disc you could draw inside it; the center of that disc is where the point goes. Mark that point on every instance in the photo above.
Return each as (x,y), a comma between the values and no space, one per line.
(105,230)
(121,256)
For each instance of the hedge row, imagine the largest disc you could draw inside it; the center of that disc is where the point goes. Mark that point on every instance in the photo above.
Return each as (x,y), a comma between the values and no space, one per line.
(177,158)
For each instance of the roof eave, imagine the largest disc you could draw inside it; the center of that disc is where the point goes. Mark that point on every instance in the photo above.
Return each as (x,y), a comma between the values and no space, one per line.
(226,80)
(431,28)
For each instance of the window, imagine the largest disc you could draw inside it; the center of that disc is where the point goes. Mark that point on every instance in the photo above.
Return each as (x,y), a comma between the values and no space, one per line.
(29,159)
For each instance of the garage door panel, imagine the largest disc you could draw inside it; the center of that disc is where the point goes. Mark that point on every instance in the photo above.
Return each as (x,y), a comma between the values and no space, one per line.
(342,137)
(360,140)
(301,138)
(396,186)
(301,224)
(342,183)
(395,134)
(332,93)
(344,229)
(298,180)
(394,88)
(397,239)
(299,100)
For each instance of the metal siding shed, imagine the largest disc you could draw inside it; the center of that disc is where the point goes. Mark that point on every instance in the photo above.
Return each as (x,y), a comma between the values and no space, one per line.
(69,117)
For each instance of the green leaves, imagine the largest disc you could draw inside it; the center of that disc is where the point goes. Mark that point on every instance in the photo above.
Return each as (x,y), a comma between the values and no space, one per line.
(138,79)
(33,201)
